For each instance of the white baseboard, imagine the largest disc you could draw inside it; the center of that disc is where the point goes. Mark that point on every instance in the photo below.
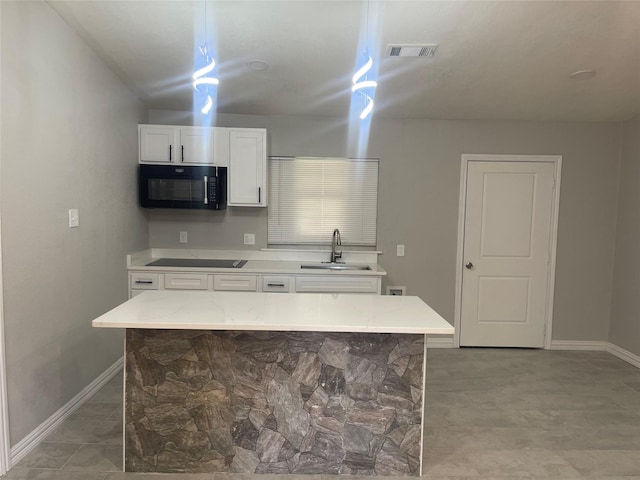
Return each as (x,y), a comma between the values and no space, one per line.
(625,355)
(613,349)
(439,342)
(579,345)
(33,439)
(600,346)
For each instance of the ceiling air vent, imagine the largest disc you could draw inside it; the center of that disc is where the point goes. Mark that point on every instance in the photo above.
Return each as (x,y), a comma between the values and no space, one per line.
(426,50)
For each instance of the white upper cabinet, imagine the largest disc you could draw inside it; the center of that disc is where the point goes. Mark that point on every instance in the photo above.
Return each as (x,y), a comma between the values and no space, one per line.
(201,145)
(157,143)
(185,145)
(247,167)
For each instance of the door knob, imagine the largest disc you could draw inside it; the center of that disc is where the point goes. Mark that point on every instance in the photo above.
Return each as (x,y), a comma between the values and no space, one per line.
(469,265)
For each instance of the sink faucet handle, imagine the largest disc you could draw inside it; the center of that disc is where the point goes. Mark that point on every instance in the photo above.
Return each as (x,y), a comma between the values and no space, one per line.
(335,241)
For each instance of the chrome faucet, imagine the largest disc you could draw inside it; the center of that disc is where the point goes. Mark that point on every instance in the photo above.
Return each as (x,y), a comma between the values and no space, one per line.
(336,241)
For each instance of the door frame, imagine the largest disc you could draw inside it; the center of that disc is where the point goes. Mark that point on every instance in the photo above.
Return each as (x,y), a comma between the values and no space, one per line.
(5,445)
(556,160)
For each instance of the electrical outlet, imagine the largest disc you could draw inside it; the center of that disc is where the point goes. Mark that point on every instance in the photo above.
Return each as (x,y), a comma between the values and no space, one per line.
(396,290)
(249,238)
(400,250)
(74,218)
(183,237)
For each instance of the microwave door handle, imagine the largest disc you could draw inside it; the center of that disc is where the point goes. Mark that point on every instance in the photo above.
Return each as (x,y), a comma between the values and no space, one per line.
(206,190)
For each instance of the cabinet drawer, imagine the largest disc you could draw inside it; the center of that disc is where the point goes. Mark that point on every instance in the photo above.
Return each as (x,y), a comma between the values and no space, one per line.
(275,284)
(330,284)
(247,283)
(185,281)
(144,281)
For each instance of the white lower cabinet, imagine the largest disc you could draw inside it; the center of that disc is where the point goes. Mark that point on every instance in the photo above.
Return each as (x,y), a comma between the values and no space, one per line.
(238,282)
(185,281)
(334,284)
(145,281)
(235,283)
(276,283)
(140,282)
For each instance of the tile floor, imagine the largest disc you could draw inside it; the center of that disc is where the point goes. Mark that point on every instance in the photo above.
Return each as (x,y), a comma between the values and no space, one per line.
(491,414)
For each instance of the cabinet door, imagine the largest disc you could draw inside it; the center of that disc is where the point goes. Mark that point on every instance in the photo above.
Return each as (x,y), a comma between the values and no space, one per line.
(141,281)
(220,146)
(247,167)
(337,284)
(233,282)
(272,283)
(185,281)
(144,281)
(157,144)
(196,145)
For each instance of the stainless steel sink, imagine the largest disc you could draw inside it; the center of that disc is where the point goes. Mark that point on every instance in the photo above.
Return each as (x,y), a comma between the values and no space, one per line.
(335,266)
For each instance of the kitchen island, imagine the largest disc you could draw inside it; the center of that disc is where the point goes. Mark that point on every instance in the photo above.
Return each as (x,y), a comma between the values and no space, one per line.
(272,383)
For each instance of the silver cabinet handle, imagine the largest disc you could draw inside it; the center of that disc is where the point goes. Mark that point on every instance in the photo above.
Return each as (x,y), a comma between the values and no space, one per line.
(275,284)
(206,190)
(259,195)
(144,282)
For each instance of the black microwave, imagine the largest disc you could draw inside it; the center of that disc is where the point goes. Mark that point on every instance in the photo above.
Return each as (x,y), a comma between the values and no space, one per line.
(168,186)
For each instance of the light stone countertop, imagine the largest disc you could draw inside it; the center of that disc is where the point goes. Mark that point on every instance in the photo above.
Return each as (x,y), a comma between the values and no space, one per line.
(317,312)
(257,262)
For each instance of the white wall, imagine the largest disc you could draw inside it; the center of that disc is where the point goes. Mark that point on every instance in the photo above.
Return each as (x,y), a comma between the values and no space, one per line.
(625,307)
(418,202)
(69,141)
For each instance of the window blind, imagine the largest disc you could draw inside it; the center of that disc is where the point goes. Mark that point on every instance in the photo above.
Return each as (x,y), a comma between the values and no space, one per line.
(309,197)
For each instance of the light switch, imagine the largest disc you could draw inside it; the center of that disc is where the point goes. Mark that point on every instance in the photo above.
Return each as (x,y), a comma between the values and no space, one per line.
(249,238)
(74,218)
(400,250)
(183,237)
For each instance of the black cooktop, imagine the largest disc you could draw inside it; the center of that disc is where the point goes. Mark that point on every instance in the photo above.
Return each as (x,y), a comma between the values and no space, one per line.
(197,263)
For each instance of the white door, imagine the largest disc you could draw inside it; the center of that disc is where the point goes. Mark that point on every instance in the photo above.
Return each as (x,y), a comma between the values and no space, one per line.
(507,238)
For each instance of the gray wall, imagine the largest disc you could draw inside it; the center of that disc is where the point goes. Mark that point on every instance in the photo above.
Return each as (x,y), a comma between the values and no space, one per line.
(625,309)
(418,202)
(69,141)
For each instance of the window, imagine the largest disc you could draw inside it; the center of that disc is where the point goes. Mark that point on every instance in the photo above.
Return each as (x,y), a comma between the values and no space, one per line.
(309,197)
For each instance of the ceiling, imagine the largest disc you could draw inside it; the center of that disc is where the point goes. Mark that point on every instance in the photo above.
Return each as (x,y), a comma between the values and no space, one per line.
(500,60)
